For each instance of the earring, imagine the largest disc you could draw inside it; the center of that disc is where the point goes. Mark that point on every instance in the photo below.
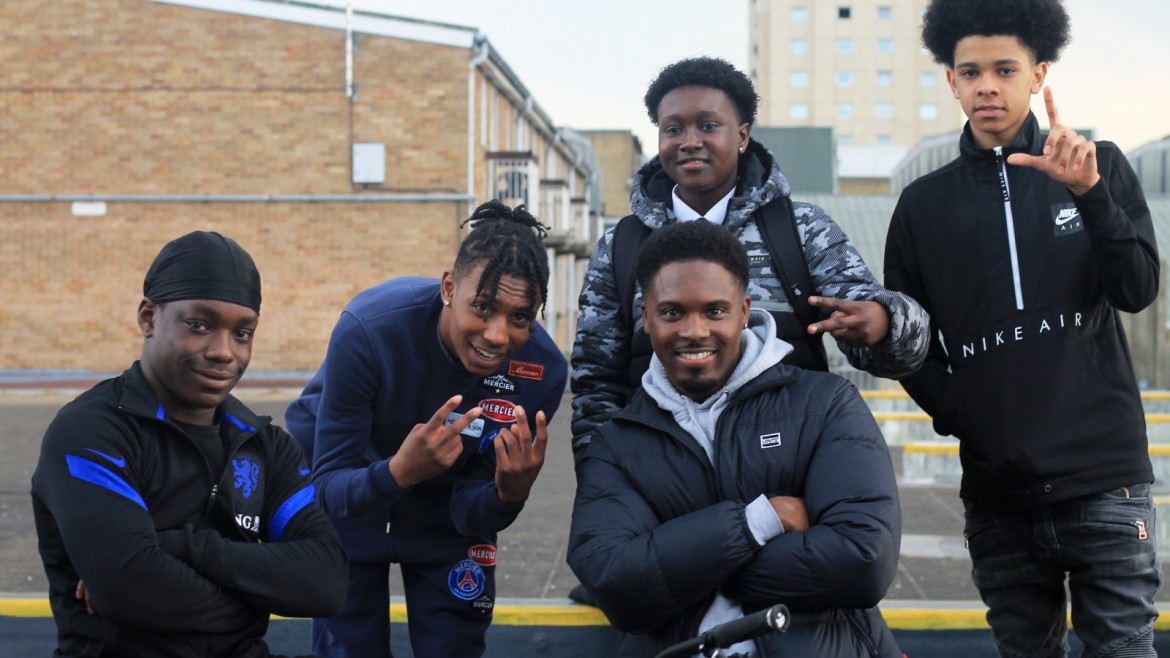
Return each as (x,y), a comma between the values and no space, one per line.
(446,302)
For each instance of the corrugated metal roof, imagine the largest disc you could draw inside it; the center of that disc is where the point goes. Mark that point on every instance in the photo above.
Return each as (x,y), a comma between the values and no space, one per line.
(865,218)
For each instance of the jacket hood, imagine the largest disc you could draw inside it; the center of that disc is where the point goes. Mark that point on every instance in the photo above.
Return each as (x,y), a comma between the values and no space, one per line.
(758,182)
(1028,141)
(761,350)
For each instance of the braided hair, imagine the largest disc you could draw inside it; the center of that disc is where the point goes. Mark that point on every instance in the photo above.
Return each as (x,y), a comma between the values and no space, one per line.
(507,241)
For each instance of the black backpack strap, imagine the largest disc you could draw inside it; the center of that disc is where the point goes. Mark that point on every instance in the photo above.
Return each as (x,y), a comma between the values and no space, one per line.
(777,222)
(627,238)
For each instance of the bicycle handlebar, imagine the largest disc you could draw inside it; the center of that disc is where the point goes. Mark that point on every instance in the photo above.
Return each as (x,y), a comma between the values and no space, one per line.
(726,634)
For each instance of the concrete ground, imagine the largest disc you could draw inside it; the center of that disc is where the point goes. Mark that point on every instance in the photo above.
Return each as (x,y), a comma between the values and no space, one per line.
(933,573)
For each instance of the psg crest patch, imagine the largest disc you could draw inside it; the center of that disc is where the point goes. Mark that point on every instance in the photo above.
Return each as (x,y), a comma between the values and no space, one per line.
(466,580)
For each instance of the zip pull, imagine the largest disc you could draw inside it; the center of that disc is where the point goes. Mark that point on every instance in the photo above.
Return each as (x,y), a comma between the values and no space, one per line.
(1001,169)
(1141,528)
(214,491)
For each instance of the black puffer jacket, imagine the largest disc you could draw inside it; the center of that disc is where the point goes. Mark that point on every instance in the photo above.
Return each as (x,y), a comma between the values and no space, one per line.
(657,530)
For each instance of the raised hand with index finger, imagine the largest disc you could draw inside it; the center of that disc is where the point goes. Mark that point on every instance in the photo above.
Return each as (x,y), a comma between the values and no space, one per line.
(431,447)
(1068,158)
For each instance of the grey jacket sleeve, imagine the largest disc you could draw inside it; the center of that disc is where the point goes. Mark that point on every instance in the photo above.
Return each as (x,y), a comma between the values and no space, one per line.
(838,270)
(601,351)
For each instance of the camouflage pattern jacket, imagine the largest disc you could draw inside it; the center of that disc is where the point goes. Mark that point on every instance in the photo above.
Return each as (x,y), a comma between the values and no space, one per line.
(601,352)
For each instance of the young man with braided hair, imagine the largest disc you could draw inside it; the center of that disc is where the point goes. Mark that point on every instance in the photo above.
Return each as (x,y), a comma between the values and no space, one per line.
(426,426)
(1024,250)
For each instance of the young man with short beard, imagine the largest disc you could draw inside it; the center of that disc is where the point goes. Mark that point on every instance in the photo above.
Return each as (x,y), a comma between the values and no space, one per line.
(734,481)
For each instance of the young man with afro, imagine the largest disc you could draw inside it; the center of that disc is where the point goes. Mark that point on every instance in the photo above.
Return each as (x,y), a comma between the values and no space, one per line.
(1023,251)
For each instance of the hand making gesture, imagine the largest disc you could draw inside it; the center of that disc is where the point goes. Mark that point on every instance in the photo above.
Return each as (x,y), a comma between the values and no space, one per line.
(855,323)
(1068,158)
(519,457)
(431,448)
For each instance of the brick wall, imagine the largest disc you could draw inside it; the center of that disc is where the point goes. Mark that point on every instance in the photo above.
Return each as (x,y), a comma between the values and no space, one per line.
(620,159)
(72,284)
(131,97)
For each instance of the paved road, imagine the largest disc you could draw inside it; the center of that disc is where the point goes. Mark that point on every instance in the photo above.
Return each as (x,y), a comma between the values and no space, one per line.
(934,565)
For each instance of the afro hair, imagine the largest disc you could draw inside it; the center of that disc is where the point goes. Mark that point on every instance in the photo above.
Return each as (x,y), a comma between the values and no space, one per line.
(705,72)
(1040,25)
(699,240)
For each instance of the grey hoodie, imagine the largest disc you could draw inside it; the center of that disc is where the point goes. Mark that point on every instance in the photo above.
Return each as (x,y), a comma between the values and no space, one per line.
(761,350)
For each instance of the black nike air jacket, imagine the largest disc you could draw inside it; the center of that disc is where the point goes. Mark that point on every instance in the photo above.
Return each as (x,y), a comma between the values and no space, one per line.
(1029,366)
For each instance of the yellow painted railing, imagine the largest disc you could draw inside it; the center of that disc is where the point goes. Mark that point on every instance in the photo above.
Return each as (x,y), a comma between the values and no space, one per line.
(923,417)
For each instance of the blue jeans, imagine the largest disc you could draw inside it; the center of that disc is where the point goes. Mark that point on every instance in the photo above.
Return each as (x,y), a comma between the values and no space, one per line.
(1105,545)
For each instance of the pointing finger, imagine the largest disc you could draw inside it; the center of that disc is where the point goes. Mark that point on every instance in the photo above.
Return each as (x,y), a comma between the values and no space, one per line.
(443,413)
(824,302)
(437,422)
(1025,160)
(1050,105)
(463,421)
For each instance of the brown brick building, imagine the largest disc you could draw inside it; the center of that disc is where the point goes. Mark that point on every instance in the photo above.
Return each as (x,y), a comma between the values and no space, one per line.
(619,155)
(127,123)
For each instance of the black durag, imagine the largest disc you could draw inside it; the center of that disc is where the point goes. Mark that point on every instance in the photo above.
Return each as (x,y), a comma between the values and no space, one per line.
(203,265)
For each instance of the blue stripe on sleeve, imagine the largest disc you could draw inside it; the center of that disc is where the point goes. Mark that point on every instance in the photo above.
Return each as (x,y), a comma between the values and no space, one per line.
(88,471)
(295,503)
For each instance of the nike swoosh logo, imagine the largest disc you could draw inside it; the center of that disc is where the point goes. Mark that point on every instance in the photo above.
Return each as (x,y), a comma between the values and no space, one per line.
(120,463)
(1062,222)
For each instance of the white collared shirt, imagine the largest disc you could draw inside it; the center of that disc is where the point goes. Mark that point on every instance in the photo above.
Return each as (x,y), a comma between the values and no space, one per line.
(685,213)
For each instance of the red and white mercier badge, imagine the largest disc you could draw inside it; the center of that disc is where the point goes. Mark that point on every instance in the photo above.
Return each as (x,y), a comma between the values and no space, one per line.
(483,554)
(498,410)
(525,370)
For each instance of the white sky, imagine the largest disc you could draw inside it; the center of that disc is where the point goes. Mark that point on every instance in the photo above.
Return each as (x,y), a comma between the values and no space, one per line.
(587,62)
